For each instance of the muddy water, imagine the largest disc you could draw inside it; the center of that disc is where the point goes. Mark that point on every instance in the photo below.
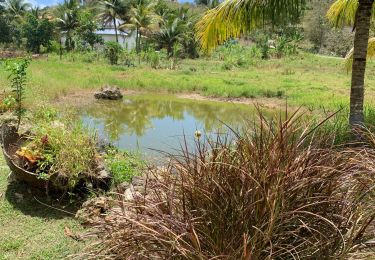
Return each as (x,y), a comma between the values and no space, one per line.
(157,122)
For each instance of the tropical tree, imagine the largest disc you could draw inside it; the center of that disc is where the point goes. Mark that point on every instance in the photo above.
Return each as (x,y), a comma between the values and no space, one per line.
(177,28)
(142,18)
(111,10)
(16,8)
(86,30)
(37,32)
(208,3)
(67,19)
(234,17)
(359,14)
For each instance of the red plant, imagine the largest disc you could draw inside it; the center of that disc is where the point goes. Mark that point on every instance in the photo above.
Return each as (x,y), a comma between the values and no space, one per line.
(276,190)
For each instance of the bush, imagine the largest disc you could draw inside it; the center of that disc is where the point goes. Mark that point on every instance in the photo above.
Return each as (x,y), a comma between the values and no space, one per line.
(272,191)
(154,59)
(112,51)
(122,165)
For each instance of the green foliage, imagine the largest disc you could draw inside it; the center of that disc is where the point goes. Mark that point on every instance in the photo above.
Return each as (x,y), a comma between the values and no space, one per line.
(177,27)
(18,76)
(86,30)
(5,30)
(112,52)
(67,21)
(9,102)
(65,150)
(123,165)
(154,58)
(37,32)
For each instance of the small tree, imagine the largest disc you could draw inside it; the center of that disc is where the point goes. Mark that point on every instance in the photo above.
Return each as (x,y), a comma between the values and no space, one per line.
(37,32)
(86,30)
(112,51)
(17,75)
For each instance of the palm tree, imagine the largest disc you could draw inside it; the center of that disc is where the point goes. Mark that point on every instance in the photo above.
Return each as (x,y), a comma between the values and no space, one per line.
(110,11)
(176,28)
(142,17)
(358,13)
(16,8)
(234,17)
(67,20)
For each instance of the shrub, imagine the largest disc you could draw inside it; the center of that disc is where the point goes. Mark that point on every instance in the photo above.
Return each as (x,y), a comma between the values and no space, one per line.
(18,75)
(112,51)
(154,59)
(122,165)
(272,191)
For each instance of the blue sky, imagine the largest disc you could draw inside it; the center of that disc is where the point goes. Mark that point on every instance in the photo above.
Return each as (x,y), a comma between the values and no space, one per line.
(44,3)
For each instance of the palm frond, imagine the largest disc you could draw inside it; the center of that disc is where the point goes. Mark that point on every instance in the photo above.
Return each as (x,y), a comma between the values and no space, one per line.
(342,12)
(370,54)
(235,17)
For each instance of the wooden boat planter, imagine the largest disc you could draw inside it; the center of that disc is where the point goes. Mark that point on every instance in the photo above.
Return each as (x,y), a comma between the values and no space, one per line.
(10,143)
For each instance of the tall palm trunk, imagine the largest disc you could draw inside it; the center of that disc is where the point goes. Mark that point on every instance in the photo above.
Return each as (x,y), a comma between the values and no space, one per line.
(137,39)
(115,25)
(363,20)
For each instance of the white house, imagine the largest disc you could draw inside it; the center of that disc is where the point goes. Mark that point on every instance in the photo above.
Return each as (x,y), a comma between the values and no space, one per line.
(126,38)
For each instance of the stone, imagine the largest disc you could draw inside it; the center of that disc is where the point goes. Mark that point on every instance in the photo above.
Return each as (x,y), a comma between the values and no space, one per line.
(92,209)
(108,92)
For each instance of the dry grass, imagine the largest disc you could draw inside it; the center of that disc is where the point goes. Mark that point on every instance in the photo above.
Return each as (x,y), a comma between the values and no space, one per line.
(275,191)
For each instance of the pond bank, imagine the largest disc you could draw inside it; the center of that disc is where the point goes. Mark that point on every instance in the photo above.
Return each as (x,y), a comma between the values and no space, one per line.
(86,96)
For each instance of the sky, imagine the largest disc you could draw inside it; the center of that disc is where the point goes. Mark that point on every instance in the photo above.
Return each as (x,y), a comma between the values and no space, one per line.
(44,3)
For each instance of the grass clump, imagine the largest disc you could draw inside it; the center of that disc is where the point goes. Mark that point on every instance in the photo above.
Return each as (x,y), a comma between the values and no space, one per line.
(275,190)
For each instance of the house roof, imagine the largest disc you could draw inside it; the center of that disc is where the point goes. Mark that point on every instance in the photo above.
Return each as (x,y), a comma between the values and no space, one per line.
(111,32)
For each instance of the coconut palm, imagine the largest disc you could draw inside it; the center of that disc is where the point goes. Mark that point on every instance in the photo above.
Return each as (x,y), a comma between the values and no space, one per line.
(142,18)
(67,20)
(111,10)
(359,14)
(234,17)
(175,29)
(16,8)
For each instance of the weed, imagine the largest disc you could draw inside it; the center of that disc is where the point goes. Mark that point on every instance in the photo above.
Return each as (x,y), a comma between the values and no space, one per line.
(123,165)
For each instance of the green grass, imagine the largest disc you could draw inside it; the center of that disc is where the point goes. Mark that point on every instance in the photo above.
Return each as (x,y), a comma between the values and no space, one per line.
(308,80)
(30,230)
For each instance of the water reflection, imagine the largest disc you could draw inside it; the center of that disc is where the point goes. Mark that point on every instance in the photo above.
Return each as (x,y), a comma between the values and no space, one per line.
(159,122)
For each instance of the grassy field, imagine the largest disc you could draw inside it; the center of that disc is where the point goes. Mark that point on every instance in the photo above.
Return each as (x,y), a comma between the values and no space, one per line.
(30,230)
(306,79)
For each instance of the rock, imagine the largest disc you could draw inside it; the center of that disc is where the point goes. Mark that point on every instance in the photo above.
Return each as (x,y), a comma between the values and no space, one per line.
(92,209)
(121,188)
(111,93)
(128,194)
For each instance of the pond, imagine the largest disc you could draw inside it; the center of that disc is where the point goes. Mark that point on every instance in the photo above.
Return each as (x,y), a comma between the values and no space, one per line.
(150,123)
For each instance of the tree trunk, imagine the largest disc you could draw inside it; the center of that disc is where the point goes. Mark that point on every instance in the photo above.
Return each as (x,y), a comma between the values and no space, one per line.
(363,20)
(60,48)
(136,39)
(114,24)
(139,40)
